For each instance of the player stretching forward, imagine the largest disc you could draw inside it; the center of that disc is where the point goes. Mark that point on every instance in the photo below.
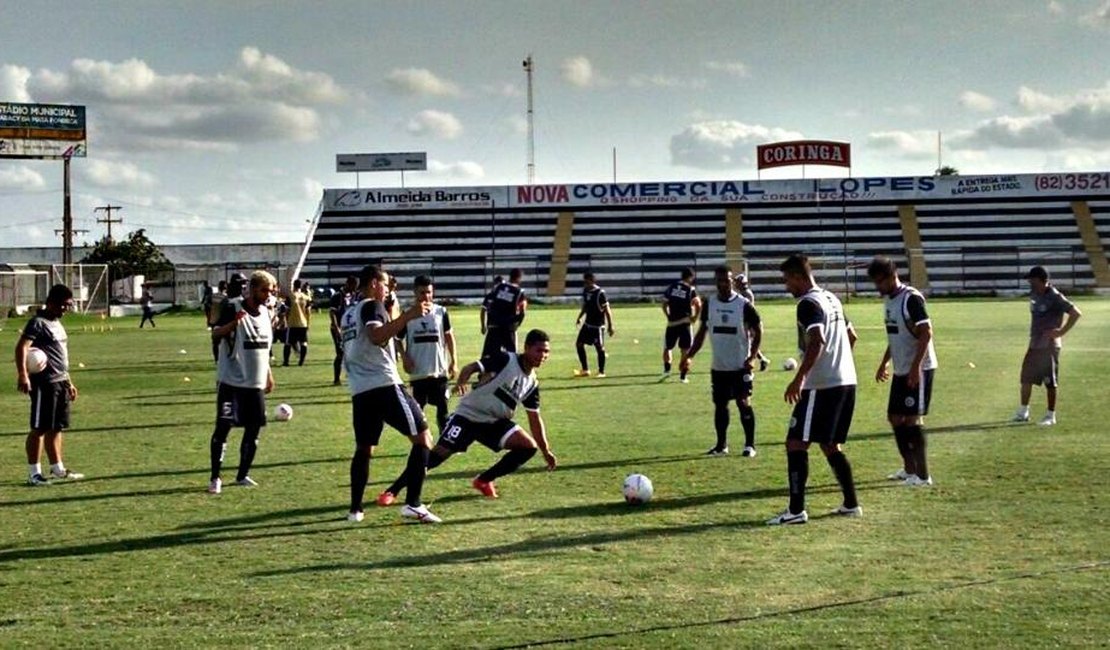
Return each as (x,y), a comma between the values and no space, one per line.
(429,352)
(681,305)
(823,391)
(909,335)
(378,396)
(595,308)
(735,332)
(484,415)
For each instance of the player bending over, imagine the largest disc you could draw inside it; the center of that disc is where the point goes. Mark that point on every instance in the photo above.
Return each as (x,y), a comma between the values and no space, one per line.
(485,413)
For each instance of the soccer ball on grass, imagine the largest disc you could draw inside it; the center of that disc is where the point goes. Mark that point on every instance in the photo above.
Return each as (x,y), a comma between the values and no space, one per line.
(789,364)
(283,412)
(637,489)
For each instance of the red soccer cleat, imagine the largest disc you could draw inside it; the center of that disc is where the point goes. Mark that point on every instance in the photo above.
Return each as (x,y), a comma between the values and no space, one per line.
(487,489)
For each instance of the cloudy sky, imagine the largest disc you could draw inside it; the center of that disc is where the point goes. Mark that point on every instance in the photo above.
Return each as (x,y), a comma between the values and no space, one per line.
(220,121)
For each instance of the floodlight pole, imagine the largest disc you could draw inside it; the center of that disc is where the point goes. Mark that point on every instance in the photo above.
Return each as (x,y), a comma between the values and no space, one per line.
(531,127)
(67,215)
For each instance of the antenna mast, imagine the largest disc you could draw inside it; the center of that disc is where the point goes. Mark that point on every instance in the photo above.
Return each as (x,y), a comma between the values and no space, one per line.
(531,127)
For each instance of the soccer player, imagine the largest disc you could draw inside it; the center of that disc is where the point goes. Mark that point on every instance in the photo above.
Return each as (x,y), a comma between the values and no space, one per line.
(429,352)
(219,297)
(378,396)
(147,302)
(823,391)
(735,332)
(745,289)
(300,316)
(1046,332)
(909,335)
(681,305)
(340,301)
(206,301)
(502,313)
(51,390)
(244,332)
(484,414)
(599,317)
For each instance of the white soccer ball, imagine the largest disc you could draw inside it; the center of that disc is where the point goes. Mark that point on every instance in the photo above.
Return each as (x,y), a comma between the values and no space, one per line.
(637,489)
(789,364)
(35,361)
(283,412)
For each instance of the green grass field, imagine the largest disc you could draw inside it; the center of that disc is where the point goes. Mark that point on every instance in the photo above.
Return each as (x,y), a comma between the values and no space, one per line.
(1009,549)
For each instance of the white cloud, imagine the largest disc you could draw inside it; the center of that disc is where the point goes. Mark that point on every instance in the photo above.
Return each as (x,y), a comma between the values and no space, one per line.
(1055,8)
(506,89)
(435,123)
(909,144)
(723,144)
(13,84)
(664,81)
(734,68)
(260,98)
(977,101)
(1080,121)
(99,172)
(20,177)
(1099,18)
(462,170)
(578,71)
(420,81)
(1037,102)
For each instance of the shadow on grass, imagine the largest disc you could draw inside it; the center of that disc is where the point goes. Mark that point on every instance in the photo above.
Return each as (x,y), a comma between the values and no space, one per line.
(930,431)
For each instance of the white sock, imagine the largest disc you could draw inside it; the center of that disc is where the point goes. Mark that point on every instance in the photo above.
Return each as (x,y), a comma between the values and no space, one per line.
(1024,409)
(58,469)
(34,468)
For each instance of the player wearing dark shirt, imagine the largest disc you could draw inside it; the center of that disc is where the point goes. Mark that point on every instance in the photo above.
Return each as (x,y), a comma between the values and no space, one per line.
(1041,365)
(681,305)
(735,332)
(502,313)
(484,415)
(599,318)
(340,301)
(51,389)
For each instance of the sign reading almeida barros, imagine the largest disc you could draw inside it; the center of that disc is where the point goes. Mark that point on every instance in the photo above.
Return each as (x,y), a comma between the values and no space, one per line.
(804,152)
(42,130)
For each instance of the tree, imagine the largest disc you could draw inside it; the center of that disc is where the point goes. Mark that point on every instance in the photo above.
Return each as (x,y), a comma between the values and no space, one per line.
(948,170)
(133,256)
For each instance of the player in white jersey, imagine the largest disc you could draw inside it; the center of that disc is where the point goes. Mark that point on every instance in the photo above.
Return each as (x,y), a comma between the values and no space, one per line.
(735,332)
(823,391)
(428,352)
(910,346)
(378,395)
(484,415)
(244,335)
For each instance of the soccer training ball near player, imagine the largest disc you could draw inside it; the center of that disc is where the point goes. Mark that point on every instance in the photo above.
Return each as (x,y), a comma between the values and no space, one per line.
(283,413)
(637,489)
(35,361)
(789,364)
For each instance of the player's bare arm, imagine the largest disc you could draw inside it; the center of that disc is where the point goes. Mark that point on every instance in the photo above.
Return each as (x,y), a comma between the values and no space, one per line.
(482,319)
(756,334)
(815,342)
(452,358)
(1073,317)
(23,380)
(699,340)
(924,334)
(539,433)
(462,385)
(609,319)
(882,373)
(380,335)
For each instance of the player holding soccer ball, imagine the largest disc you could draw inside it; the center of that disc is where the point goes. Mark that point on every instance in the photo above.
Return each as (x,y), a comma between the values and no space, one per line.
(823,391)
(484,414)
(51,389)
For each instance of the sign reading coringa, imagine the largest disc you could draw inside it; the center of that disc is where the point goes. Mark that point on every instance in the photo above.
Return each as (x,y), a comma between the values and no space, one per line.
(804,152)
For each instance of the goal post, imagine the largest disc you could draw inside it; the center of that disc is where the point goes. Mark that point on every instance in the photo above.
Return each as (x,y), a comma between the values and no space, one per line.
(89,283)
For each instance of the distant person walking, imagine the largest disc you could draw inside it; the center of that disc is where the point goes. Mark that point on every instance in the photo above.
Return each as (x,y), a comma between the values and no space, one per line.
(51,389)
(1041,365)
(147,302)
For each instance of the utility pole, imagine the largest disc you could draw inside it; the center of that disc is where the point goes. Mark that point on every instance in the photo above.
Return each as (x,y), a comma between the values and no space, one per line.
(107,209)
(67,230)
(531,129)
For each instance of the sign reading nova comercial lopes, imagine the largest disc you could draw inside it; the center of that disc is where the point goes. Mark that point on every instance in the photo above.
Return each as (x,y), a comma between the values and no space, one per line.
(42,130)
(882,189)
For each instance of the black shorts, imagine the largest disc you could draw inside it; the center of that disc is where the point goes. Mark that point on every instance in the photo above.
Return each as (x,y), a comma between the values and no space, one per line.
(459,433)
(590,335)
(907,401)
(243,407)
(823,415)
(49,406)
(498,339)
(374,408)
(677,334)
(296,335)
(730,385)
(430,390)
(281,335)
(1041,366)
